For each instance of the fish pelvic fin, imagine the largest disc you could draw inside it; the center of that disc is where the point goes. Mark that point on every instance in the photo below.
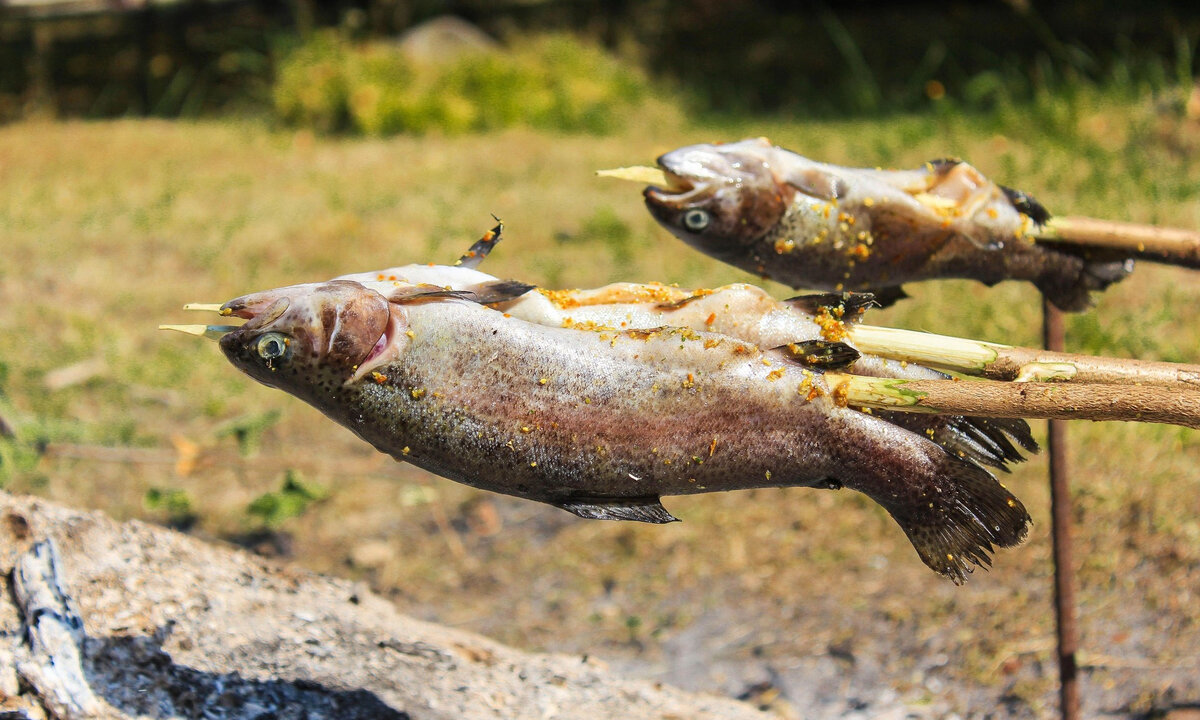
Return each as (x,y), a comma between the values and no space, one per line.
(645,509)
(955,528)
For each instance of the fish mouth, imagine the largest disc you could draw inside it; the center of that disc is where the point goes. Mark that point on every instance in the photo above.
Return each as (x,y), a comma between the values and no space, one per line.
(666,185)
(679,191)
(258,310)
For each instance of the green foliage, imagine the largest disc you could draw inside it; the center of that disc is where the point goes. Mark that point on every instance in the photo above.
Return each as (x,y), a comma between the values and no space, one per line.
(248,430)
(554,82)
(607,228)
(273,508)
(310,86)
(174,503)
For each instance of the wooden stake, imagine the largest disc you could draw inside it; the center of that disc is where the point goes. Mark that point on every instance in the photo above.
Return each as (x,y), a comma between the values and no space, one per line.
(1054,338)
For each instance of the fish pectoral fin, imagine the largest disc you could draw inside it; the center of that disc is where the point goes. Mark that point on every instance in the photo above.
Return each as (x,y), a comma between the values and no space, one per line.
(816,183)
(851,304)
(413,294)
(488,293)
(644,509)
(820,354)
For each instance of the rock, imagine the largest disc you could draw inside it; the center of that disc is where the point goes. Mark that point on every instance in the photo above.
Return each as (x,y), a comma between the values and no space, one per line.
(444,39)
(166,626)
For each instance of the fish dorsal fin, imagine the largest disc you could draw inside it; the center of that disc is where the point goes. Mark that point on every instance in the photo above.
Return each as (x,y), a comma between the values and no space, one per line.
(820,354)
(643,509)
(1025,203)
(852,304)
(477,252)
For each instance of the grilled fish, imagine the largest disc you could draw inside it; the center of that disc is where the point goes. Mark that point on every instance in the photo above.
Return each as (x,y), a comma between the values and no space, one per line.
(814,225)
(602,424)
(811,328)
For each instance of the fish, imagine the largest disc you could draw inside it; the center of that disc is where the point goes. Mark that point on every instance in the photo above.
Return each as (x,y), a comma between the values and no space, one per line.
(602,424)
(814,325)
(818,226)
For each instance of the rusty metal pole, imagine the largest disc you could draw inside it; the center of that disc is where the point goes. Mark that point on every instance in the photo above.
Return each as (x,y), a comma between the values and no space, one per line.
(1053,336)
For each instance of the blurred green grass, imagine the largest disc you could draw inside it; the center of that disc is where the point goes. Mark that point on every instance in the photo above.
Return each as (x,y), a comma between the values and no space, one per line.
(109,227)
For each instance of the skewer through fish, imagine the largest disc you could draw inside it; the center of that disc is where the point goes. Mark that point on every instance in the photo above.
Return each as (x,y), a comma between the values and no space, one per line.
(602,424)
(819,226)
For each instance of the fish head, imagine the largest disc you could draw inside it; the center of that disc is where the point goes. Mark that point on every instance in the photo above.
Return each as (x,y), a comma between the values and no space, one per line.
(309,340)
(722,197)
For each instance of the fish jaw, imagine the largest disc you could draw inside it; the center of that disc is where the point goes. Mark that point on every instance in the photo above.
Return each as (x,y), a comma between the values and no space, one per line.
(721,197)
(304,339)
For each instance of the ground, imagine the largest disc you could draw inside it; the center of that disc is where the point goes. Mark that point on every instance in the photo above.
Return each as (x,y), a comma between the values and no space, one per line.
(806,601)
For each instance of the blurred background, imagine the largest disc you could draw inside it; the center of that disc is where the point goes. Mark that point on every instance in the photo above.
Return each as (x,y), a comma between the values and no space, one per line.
(157,153)
(188,58)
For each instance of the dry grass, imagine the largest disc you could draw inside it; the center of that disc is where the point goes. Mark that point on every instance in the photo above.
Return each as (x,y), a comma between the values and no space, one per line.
(107,228)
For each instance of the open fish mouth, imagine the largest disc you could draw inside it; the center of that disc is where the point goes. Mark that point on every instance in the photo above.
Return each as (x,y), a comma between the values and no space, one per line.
(674,184)
(665,187)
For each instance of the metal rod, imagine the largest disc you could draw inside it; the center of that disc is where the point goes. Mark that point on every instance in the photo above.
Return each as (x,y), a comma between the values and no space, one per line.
(1053,336)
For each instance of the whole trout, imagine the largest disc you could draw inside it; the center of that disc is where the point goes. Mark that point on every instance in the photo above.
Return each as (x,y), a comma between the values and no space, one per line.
(814,225)
(601,424)
(744,312)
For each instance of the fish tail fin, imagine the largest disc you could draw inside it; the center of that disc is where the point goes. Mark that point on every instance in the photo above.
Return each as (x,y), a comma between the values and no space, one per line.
(1096,270)
(986,441)
(994,442)
(955,521)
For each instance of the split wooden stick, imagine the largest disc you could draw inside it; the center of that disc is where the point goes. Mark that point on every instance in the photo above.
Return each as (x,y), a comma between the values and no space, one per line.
(989,398)
(1005,362)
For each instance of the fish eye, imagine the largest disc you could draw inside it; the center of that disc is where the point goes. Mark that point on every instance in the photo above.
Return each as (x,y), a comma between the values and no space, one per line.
(273,346)
(696,219)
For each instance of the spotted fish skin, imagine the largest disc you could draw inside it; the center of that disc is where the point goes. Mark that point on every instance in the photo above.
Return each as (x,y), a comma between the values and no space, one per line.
(602,422)
(819,226)
(745,312)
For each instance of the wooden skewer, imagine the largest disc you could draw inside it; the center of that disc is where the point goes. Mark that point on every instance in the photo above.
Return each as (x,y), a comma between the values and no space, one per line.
(1005,362)
(1135,403)
(1174,245)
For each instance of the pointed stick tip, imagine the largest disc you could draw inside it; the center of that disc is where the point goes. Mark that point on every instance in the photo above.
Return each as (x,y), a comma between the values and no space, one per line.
(207,307)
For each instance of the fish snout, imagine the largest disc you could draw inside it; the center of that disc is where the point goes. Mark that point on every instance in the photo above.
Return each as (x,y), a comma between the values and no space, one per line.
(334,326)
